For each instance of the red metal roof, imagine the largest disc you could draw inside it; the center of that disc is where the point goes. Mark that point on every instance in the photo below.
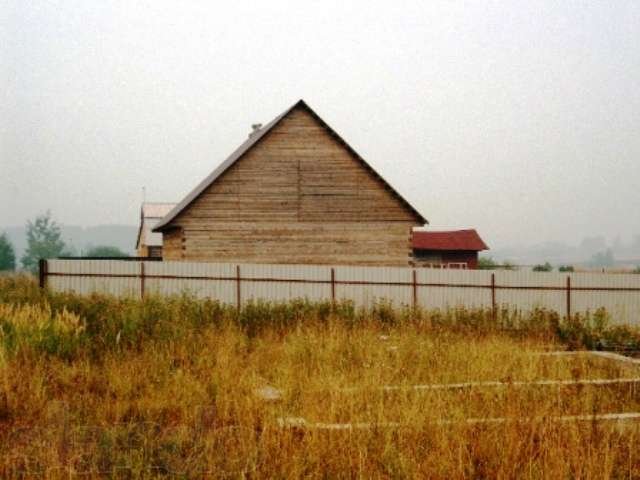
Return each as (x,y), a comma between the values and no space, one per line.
(451,240)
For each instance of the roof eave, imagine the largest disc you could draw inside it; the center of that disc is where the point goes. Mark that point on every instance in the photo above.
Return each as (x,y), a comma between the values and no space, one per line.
(344,143)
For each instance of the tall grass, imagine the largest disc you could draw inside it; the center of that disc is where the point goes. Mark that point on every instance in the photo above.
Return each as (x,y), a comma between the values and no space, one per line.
(103,386)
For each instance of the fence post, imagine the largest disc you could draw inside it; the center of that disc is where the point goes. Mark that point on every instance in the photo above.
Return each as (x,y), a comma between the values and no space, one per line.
(415,289)
(42,272)
(494,307)
(333,286)
(568,297)
(238,299)
(141,279)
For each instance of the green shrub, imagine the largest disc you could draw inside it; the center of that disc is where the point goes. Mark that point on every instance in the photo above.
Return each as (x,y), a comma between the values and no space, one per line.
(104,251)
(488,263)
(546,267)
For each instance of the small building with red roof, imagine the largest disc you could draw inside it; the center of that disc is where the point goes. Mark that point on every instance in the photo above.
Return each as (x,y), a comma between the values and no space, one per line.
(447,249)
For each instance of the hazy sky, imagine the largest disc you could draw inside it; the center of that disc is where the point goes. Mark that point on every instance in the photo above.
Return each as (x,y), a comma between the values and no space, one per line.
(520,118)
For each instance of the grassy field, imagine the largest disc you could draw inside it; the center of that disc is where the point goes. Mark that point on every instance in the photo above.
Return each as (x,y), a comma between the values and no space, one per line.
(176,387)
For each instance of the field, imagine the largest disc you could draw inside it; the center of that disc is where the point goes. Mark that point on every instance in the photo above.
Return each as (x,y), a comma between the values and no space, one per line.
(176,387)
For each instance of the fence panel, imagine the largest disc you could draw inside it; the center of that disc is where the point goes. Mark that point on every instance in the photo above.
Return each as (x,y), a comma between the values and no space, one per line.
(285,282)
(590,291)
(87,276)
(365,285)
(527,290)
(215,280)
(438,288)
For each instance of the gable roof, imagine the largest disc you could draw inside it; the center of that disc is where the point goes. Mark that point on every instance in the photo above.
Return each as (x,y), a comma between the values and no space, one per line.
(255,138)
(150,214)
(451,240)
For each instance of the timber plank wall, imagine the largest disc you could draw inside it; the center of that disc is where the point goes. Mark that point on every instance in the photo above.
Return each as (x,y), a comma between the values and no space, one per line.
(298,196)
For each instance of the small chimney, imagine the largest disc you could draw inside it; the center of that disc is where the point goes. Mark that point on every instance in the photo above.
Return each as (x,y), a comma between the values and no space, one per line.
(255,128)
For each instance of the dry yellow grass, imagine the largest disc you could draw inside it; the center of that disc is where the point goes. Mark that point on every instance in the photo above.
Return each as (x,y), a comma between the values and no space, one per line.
(189,406)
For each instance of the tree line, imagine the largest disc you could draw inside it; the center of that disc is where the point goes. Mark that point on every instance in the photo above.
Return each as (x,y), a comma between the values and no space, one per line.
(44,240)
(488,263)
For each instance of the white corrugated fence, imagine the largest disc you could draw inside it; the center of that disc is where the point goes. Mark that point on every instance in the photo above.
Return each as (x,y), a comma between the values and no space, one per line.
(427,288)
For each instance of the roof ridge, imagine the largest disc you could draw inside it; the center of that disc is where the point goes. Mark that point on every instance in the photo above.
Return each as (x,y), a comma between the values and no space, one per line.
(248,144)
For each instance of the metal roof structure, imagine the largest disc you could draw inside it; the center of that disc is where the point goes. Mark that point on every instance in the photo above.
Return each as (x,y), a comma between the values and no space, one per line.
(150,214)
(156,209)
(255,138)
(467,240)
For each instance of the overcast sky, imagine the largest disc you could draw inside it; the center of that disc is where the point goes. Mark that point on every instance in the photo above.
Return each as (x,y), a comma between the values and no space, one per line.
(520,118)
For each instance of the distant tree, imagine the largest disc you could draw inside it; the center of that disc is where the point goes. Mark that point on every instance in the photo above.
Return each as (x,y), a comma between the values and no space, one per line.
(507,265)
(104,251)
(546,267)
(487,263)
(565,268)
(636,270)
(602,259)
(43,241)
(7,254)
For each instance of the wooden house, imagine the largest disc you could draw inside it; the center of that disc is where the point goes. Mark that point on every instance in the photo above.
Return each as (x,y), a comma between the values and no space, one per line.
(447,249)
(293,192)
(148,242)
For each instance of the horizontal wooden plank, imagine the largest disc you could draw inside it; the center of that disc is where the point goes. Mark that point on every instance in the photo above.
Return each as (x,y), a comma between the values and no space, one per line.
(301,242)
